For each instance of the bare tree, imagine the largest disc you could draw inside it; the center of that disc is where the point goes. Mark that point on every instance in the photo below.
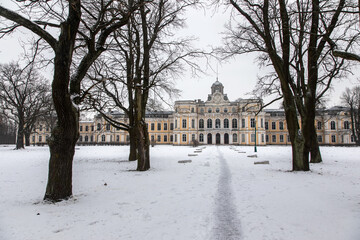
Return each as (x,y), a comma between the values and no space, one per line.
(351,99)
(291,37)
(77,32)
(145,58)
(23,97)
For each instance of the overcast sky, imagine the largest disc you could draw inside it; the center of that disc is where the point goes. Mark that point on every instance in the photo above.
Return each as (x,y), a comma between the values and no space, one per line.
(238,76)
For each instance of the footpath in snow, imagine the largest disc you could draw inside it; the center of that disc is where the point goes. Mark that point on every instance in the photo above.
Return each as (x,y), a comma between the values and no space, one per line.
(219,195)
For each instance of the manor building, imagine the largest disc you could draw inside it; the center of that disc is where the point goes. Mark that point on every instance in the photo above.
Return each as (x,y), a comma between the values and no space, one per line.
(214,121)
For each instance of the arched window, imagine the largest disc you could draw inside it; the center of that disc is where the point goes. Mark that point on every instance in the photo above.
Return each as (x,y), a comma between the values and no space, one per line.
(201,123)
(225,110)
(217,123)
(209,110)
(235,137)
(201,137)
(234,123)
(99,126)
(103,138)
(346,125)
(209,123)
(217,110)
(332,125)
(86,138)
(226,123)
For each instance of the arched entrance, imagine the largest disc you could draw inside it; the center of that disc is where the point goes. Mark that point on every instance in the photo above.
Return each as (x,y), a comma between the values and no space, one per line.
(226,138)
(209,138)
(218,138)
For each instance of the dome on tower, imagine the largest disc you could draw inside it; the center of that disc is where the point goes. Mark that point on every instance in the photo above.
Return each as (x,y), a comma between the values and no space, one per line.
(217,87)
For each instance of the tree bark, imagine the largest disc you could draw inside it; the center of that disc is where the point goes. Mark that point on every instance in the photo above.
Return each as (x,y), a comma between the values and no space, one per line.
(66,131)
(133,145)
(20,134)
(27,139)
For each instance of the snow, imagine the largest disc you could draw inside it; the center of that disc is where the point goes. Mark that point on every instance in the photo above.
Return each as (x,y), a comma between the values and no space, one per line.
(221,194)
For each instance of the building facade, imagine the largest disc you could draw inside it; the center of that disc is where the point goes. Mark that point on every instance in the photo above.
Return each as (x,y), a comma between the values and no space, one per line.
(214,121)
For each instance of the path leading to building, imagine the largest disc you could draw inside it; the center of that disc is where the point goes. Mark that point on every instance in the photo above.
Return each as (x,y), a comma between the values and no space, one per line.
(227,223)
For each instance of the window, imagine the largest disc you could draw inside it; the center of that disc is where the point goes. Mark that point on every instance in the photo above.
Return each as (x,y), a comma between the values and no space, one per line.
(333,138)
(171,126)
(40,138)
(319,138)
(152,138)
(235,137)
(152,126)
(319,125)
(192,110)
(233,110)
(192,137)
(184,137)
(281,138)
(165,138)
(175,137)
(252,122)
(201,137)
(165,126)
(209,110)
(226,123)
(281,125)
(201,123)
(33,138)
(184,123)
(217,123)
(40,128)
(80,139)
(332,125)
(86,128)
(243,137)
(262,137)
(171,138)
(99,126)
(288,138)
(243,123)
(346,125)
(175,123)
(86,138)
(201,110)
(92,128)
(273,125)
(193,123)
(159,138)
(103,138)
(81,128)
(267,138)
(225,110)
(252,136)
(234,123)
(262,123)
(266,125)
(217,110)
(91,138)
(273,138)
(117,138)
(352,138)
(159,126)
(209,123)
(108,127)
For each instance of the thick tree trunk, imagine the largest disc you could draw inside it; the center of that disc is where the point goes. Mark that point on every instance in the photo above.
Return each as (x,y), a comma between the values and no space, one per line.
(315,149)
(66,131)
(20,135)
(27,139)
(133,146)
(143,148)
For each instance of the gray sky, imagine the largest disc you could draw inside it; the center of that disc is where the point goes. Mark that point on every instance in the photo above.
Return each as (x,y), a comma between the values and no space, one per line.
(238,75)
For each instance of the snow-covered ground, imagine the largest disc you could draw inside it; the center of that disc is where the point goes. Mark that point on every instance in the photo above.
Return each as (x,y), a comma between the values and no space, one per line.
(221,194)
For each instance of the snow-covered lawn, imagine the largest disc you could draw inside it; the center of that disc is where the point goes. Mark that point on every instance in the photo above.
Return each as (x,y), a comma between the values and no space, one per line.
(221,194)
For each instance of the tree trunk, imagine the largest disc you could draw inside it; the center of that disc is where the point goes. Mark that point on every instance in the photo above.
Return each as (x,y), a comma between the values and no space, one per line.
(20,135)
(315,149)
(133,146)
(27,139)
(143,148)
(66,131)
